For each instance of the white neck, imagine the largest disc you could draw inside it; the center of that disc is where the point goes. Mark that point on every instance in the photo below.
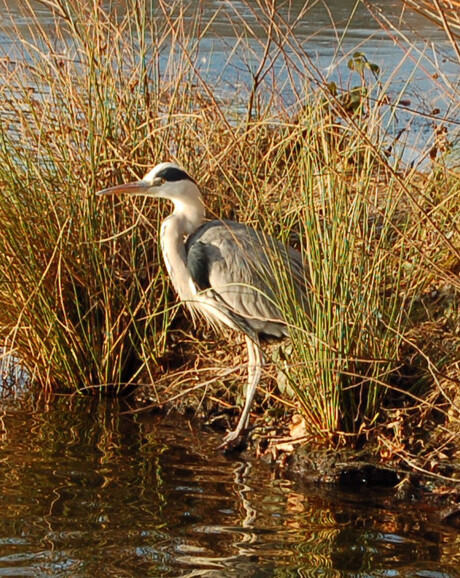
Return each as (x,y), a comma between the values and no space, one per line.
(187,216)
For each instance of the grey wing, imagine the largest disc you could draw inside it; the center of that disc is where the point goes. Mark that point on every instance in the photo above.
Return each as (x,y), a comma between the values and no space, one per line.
(241,269)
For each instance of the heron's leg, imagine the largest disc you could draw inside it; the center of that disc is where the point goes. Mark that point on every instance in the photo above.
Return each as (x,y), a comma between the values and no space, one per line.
(255,363)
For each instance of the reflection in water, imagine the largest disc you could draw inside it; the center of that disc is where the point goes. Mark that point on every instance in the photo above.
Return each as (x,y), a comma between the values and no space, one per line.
(89,491)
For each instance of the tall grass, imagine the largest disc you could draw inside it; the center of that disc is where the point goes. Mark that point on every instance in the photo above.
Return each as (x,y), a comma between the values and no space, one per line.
(81,292)
(348,348)
(98,96)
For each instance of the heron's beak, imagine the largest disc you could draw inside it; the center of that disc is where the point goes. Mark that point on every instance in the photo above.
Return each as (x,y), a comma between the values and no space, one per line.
(138,188)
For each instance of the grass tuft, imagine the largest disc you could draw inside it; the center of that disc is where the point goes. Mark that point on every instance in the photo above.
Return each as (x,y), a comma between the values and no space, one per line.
(97,96)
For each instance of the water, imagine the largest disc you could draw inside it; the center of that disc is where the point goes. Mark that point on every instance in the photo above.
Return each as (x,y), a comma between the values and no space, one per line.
(416,59)
(89,490)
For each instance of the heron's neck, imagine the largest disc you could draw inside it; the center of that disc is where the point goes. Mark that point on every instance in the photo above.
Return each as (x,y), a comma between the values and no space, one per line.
(184,220)
(189,215)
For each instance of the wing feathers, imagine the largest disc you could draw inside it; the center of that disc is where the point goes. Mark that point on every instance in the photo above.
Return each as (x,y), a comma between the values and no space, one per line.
(243,268)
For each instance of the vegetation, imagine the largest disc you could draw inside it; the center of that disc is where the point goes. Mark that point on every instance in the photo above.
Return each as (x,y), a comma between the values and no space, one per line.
(99,96)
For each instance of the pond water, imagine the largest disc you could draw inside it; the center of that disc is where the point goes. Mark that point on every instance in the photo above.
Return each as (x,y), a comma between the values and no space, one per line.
(416,59)
(87,490)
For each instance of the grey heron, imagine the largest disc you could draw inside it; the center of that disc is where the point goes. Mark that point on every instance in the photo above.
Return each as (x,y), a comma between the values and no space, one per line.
(224,271)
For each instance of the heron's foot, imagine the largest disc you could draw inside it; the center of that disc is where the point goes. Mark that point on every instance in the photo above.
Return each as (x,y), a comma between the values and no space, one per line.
(234,440)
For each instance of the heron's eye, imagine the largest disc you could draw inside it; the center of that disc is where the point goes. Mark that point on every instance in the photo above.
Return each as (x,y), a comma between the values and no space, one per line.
(158,181)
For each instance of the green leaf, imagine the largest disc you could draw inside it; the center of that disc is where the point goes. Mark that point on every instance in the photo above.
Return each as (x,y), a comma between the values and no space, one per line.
(332,88)
(375,68)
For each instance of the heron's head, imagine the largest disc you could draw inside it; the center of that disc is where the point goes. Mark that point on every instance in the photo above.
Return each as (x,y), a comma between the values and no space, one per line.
(166,181)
